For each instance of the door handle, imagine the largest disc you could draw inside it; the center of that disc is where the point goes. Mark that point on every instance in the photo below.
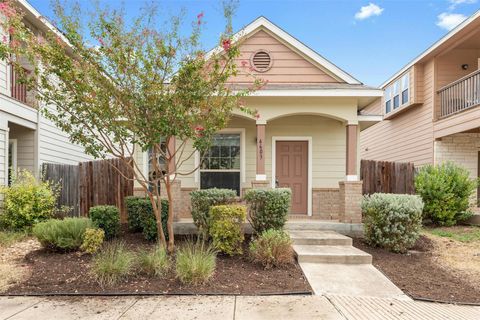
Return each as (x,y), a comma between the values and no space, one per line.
(276,183)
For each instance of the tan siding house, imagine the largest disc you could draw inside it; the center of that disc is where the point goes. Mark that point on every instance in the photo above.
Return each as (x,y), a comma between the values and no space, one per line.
(434,116)
(306,135)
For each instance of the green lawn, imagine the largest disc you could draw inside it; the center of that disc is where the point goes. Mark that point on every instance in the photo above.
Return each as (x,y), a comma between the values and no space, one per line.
(459,233)
(8,237)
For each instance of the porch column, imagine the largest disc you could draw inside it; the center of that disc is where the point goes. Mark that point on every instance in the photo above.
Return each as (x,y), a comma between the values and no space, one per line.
(260,177)
(352,140)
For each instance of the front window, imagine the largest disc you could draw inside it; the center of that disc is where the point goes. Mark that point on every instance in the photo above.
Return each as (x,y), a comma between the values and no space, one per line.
(405,88)
(388,99)
(397,94)
(396,97)
(220,167)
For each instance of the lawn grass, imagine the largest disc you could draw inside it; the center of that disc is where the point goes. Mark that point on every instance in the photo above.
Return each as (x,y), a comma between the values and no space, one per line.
(7,238)
(459,233)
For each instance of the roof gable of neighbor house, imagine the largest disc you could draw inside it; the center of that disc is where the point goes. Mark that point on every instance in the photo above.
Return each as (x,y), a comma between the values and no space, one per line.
(292,61)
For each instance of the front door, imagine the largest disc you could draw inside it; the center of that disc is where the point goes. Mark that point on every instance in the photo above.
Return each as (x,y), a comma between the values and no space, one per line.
(292,172)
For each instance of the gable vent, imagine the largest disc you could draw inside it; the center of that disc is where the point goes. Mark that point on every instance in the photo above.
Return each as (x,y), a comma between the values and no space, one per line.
(261,61)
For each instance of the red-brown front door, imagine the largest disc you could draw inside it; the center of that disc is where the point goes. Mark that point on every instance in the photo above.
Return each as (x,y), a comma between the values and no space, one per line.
(292,172)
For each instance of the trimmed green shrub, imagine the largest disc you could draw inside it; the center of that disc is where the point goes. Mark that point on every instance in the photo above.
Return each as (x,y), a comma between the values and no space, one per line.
(113,264)
(141,217)
(27,201)
(155,262)
(273,248)
(106,218)
(226,228)
(202,200)
(446,190)
(195,263)
(392,221)
(62,235)
(92,240)
(268,208)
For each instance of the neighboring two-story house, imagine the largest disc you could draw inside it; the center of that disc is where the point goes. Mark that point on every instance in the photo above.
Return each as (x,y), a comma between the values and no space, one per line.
(431,107)
(27,139)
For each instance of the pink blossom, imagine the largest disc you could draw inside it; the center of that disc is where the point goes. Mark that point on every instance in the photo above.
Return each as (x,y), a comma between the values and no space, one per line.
(100,40)
(11,30)
(199,18)
(244,63)
(5,39)
(199,128)
(226,44)
(6,9)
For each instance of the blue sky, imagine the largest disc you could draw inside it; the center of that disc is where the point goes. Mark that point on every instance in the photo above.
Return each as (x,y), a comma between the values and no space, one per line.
(369,39)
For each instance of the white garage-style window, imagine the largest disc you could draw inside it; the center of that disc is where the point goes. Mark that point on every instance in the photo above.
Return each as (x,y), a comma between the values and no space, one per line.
(222,163)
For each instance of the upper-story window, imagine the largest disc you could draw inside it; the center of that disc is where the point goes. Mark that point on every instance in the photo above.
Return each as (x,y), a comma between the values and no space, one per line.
(397,94)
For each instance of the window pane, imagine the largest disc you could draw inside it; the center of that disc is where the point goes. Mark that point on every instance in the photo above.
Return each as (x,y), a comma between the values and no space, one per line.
(388,93)
(396,87)
(405,96)
(405,82)
(224,153)
(224,180)
(388,106)
(396,102)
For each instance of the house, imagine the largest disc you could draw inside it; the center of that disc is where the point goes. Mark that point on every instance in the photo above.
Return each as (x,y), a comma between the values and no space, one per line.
(431,107)
(306,136)
(27,139)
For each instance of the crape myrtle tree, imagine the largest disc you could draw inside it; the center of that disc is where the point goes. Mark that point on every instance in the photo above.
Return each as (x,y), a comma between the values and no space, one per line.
(115,85)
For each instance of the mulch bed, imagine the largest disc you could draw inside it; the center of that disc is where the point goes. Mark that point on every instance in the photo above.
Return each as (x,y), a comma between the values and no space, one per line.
(70,273)
(417,274)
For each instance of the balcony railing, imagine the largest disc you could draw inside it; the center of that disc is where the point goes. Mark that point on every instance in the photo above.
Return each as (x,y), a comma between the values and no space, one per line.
(460,95)
(18,90)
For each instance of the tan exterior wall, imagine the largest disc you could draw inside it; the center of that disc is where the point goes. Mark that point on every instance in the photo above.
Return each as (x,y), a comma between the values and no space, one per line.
(288,66)
(408,136)
(374,108)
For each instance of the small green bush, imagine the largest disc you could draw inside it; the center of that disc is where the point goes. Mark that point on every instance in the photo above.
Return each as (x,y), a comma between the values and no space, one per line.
(202,200)
(92,240)
(27,201)
(392,221)
(268,208)
(155,262)
(106,218)
(446,190)
(141,217)
(273,248)
(113,264)
(226,228)
(62,235)
(195,263)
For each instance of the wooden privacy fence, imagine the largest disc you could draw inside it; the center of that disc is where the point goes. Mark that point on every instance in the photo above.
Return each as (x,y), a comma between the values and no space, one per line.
(387,177)
(92,183)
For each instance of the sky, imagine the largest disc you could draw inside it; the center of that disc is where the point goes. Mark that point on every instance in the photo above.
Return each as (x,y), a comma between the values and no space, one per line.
(371,40)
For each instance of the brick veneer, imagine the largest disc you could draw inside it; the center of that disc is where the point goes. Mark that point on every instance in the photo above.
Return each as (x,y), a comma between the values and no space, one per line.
(350,201)
(326,203)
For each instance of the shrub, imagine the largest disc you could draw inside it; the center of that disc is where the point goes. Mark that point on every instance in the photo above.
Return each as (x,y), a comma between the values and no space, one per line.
(27,201)
(106,218)
(112,264)
(62,235)
(195,263)
(226,228)
(155,262)
(273,248)
(268,208)
(92,240)
(141,217)
(392,221)
(446,190)
(202,200)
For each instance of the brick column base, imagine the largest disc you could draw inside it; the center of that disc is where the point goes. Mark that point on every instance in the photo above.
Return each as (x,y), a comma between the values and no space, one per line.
(350,201)
(262,184)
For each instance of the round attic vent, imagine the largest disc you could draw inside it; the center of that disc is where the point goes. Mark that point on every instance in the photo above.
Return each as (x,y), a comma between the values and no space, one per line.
(261,61)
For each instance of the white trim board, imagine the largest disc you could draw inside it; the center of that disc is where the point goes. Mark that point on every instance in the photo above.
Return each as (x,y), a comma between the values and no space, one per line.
(262,22)
(309,139)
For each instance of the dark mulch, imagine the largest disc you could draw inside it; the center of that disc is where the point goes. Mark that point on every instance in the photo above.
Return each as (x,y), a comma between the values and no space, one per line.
(417,274)
(70,273)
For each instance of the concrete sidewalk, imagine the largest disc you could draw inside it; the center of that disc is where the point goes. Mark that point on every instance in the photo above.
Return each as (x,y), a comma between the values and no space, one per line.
(229,307)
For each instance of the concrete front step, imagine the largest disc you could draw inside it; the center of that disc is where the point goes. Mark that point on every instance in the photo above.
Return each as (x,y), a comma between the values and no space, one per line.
(331,254)
(328,238)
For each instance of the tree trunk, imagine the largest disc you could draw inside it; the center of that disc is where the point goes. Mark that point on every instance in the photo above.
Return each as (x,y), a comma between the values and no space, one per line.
(171,241)
(157,210)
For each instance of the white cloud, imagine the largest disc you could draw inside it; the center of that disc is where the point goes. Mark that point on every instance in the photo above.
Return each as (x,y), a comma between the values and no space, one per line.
(449,21)
(455,3)
(368,11)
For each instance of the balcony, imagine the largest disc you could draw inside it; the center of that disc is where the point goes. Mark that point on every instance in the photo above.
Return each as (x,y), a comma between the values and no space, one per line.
(460,95)
(19,90)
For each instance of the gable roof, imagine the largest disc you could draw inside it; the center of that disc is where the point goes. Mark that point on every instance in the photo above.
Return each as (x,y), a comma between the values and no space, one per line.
(262,22)
(436,46)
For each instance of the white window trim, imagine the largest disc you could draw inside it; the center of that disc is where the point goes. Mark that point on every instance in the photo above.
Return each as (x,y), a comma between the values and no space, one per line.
(242,155)
(13,165)
(390,87)
(309,139)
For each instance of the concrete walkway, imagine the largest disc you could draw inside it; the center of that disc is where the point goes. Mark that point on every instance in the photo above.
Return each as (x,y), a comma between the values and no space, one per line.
(229,307)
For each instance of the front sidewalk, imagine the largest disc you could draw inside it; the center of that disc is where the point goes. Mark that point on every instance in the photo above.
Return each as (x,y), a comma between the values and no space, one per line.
(228,307)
